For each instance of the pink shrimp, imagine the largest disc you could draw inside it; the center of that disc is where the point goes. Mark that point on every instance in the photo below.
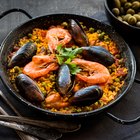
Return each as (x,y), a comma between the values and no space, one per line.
(40,66)
(57,36)
(39,59)
(97,73)
(55,100)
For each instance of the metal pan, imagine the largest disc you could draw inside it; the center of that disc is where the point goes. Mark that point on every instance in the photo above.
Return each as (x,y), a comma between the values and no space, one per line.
(46,21)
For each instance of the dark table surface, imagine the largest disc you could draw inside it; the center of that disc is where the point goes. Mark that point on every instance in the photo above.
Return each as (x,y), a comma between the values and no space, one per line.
(92,129)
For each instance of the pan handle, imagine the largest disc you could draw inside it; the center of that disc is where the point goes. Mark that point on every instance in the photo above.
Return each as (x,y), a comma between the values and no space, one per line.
(15,10)
(123,121)
(3,14)
(137,80)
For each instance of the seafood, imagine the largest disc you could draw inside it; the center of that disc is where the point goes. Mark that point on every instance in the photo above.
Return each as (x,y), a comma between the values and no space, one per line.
(40,66)
(23,55)
(86,96)
(97,73)
(64,81)
(98,54)
(57,36)
(29,88)
(56,101)
(66,74)
(41,59)
(78,33)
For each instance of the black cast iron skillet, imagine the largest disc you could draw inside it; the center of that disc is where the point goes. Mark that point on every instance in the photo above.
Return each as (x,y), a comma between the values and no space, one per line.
(55,19)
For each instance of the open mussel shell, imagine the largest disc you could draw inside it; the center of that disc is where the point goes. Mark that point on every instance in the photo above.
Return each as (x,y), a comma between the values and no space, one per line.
(64,80)
(98,54)
(86,96)
(78,33)
(29,88)
(23,55)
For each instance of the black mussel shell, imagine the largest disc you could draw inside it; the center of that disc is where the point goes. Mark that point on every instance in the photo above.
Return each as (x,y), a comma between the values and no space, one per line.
(64,81)
(98,54)
(29,88)
(78,33)
(86,96)
(23,55)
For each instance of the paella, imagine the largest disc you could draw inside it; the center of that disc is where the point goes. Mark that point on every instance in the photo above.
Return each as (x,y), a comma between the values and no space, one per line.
(67,68)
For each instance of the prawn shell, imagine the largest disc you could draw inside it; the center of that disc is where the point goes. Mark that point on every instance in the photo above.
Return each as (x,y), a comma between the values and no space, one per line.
(98,54)
(64,81)
(29,88)
(86,96)
(78,33)
(23,55)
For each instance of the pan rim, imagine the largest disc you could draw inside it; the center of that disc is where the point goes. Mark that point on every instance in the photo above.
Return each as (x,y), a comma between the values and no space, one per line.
(81,114)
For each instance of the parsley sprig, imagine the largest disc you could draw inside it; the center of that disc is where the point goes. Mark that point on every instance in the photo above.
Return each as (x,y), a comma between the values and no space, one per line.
(66,55)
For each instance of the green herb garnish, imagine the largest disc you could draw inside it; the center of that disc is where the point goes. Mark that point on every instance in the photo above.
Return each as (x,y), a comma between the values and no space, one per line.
(66,55)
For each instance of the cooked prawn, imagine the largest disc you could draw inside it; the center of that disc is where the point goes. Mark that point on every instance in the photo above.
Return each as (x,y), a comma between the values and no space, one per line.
(57,36)
(39,59)
(40,66)
(97,73)
(55,101)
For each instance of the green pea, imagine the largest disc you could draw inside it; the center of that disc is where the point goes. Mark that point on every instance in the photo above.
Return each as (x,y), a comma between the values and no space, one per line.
(79,110)
(121,78)
(112,87)
(17,69)
(101,36)
(44,84)
(99,31)
(30,35)
(45,93)
(121,61)
(91,30)
(117,80)
(106,39)
(65,24)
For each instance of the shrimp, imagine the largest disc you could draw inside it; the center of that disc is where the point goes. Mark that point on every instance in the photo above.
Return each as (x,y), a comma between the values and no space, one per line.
(97,73)
(39,59)
(55,100)
(40,66)
(57,36)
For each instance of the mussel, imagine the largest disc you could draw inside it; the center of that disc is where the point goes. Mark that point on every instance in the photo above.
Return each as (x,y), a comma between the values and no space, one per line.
(23,55)
(86,96)
(29,88)
(78,33)
(98,54)
(64,81)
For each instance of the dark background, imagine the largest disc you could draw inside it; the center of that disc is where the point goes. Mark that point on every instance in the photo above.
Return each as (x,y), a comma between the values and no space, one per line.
(101,128)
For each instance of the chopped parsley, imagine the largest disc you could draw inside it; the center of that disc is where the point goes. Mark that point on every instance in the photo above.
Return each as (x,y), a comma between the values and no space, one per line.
(66,55)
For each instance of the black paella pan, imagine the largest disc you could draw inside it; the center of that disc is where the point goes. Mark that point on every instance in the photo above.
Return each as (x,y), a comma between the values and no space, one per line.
(56,19)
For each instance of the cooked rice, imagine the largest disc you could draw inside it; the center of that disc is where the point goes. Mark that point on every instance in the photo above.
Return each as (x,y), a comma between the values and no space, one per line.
(47,84)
